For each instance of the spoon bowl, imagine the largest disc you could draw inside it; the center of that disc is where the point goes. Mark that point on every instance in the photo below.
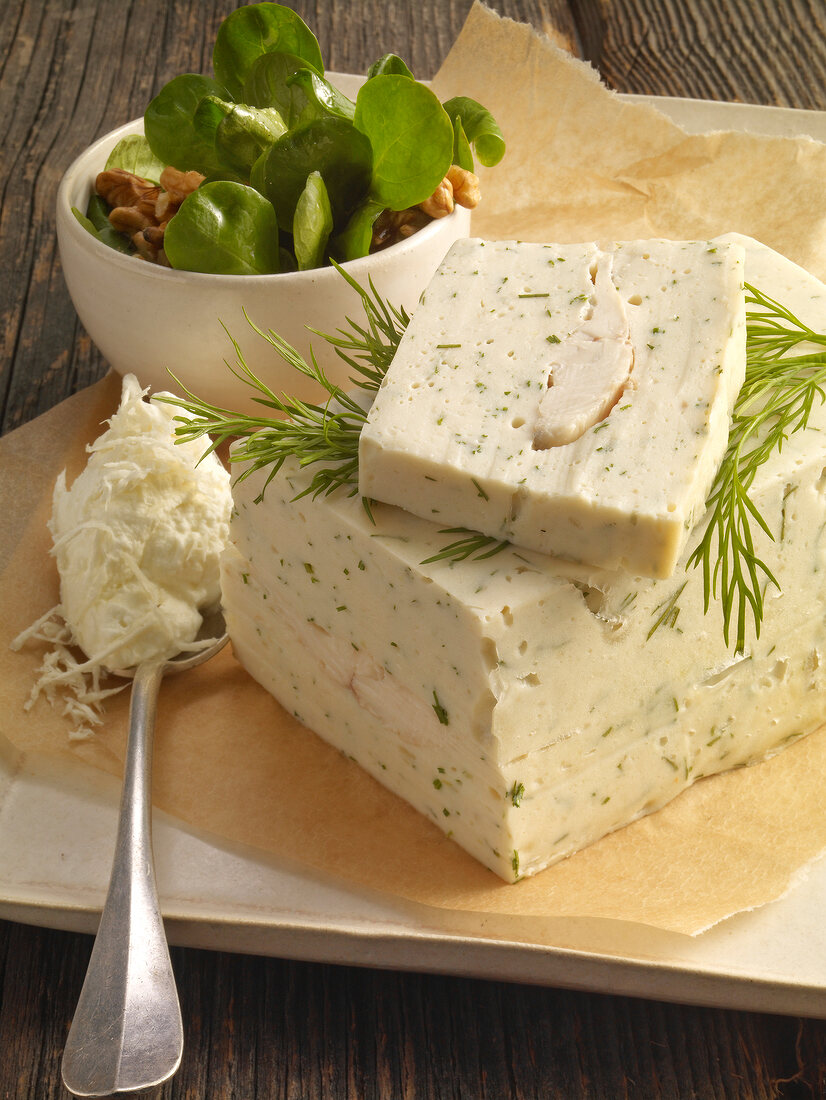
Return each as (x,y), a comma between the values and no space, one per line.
(211,638)
(127,1032)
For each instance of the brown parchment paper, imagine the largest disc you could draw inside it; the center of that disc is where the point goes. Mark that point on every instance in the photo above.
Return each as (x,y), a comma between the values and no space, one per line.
(230,761)
(584,164)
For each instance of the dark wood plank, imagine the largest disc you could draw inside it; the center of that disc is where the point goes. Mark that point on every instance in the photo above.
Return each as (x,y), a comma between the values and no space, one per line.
(752,51)
(259,1028)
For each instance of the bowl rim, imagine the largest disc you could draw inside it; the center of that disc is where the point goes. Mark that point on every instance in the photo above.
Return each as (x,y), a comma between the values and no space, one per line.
(359,269)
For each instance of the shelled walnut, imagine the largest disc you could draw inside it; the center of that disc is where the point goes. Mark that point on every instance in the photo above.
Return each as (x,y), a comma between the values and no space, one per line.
(458,186)
(465,186)
(141,209)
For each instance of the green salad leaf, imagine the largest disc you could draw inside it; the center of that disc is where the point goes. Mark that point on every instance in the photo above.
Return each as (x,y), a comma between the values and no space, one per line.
(321,96)
(356,237)
(480,128)
(462,153)
(170,127)
(389,65)
(259,29)
(245,133)
(224,228)
(271,123)
(267,85)
(411,136)
(133,154)
(207,117)
(105,233)
(312,223)
(330,146)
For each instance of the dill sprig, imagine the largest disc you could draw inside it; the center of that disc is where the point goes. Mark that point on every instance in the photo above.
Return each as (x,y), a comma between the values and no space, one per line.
(776,401)
(316,434)
(669,612)
(470,545)
(325,435)
(774,331)
(372,347)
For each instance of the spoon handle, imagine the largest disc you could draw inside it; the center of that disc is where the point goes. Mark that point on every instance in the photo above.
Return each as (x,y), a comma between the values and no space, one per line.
(127,1032)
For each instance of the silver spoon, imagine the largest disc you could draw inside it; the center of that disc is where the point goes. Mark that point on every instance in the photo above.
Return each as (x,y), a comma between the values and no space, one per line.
(127,1032)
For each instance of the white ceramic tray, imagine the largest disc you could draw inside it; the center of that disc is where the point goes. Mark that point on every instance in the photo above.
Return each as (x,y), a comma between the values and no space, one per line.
(56,843)
(57,837)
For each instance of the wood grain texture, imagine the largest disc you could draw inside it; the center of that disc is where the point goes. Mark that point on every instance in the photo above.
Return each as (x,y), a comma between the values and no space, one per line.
(750,51)
(267,1028)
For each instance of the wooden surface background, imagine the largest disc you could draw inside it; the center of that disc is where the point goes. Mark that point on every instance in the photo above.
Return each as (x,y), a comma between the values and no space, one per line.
(260,1028)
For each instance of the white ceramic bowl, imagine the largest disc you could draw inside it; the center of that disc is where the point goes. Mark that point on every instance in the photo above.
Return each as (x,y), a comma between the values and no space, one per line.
(148,320)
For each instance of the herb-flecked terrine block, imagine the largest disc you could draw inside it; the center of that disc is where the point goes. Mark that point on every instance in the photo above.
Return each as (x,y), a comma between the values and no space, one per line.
(528,705)
(571,399)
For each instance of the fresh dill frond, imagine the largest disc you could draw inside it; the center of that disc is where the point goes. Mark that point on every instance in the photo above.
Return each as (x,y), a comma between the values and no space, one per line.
(369,350)
(470,545)
(669,612)
(326,435)
(774,331)
(776,401)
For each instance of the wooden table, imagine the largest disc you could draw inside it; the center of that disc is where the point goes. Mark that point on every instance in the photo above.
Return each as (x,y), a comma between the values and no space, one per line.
(255,1028)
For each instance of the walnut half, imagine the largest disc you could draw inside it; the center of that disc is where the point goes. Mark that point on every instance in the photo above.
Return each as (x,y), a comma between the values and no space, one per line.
(117,187)
(459,186)
(141,209)
(465,186)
